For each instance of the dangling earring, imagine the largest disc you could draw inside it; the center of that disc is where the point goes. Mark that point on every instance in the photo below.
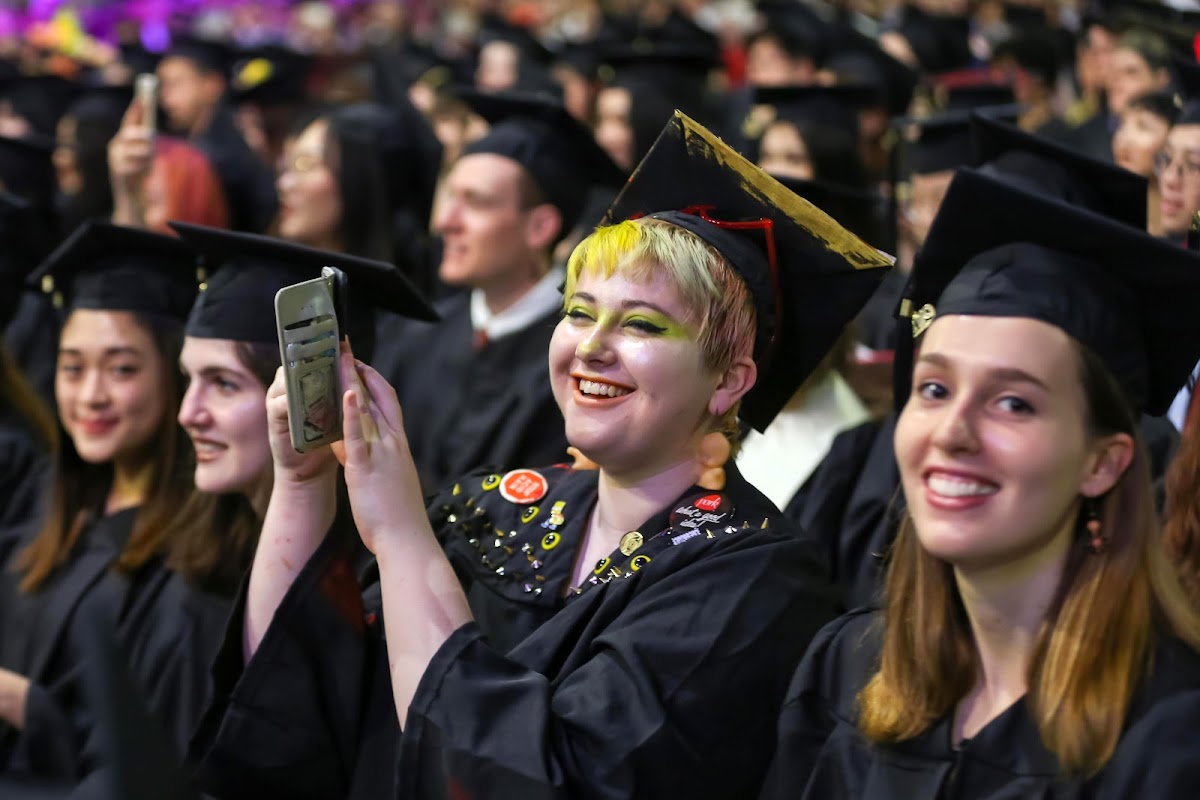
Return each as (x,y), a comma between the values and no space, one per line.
(1097,542)
(714,452)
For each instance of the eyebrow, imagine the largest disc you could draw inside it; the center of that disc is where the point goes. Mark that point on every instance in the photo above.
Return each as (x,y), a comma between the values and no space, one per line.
(111,351)
(1009,374)
(628,304)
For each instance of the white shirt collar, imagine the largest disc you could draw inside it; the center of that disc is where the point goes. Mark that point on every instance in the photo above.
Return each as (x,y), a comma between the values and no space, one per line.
(539,301)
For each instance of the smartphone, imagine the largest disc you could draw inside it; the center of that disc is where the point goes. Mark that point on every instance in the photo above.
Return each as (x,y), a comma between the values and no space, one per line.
(306,317)
(146,90)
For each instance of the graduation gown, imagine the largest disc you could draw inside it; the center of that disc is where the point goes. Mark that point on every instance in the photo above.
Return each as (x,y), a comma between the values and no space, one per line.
(248,183)
(32,338)
(661,678)
(24,469)
(468,406)
(821,753)
(36,643)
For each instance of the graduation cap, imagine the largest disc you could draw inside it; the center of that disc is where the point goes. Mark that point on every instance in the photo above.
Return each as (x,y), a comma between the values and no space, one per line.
(808,276)
(1040,165)
(498,29)
(1035,50)
(939,42)
(679,68)
(934,144)
(860,211)
(857,60)
(103,101)
(799,29)
(271,75)
(557,150)
(139,58)
(997,250)
(209,55)
(1187,73)
(113,268)
(40,99)
(15,258)
(25,167)
(834,106)
(969,89)
(245,270)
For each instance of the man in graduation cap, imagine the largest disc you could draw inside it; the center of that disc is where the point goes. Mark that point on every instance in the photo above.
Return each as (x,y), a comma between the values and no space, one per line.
(193,81)
(473,386)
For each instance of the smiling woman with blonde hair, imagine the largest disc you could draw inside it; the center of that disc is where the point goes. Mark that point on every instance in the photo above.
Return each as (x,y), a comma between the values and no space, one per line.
(1035,639)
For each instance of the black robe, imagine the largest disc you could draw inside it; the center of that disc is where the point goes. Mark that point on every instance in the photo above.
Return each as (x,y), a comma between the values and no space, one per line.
(821,753)
(167,630)
(661,679)
(32,339)
(24,471)
(853,503)
(36,643)
(468,407)
(248,183)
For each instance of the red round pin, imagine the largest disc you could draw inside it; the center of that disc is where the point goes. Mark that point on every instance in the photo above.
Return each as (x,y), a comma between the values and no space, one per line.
(523,486)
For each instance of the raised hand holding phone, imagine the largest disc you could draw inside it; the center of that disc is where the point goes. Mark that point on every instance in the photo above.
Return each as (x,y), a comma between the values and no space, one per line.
(307,323)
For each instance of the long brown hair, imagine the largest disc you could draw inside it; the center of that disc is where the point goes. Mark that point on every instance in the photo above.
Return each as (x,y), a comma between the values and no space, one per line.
(1181,529)
(80,489)
(1095,644)
(17,394)
(213,540)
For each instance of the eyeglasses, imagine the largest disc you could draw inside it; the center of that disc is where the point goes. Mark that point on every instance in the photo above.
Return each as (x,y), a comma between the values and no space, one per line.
(301,163)
(1189,168)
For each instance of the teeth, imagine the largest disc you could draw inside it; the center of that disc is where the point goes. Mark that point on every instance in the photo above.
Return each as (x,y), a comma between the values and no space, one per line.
(207,447)
(601,389)
(959,487)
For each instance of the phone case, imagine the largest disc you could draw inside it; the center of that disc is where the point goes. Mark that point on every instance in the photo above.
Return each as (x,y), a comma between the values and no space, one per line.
(306,319)
(146,87)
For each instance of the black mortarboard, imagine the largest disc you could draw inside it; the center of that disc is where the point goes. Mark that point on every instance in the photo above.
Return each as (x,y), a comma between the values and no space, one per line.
(16,257)
(817,279)
(208,55)
(113,268)
(860,211)
(138,58)
(531,50)
(558,151)
(25,167)
(799,29)
(939,42)
(833,106)
(679,68)
(1040,165)
(1036,50)
(103,101)
(40,99)
(1187,73)
(968,96)
(245,270)
(271,75)
(934,144)
(996,250)
(857,60)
